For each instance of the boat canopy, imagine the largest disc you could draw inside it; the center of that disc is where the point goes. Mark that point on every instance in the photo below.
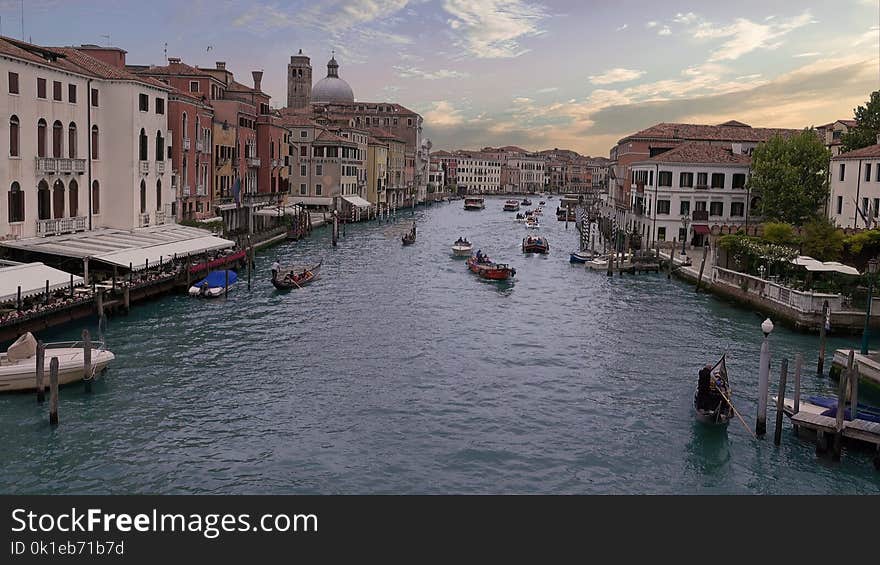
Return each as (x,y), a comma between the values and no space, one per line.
(218,279)
(277,211)
(32,277)
(357,201)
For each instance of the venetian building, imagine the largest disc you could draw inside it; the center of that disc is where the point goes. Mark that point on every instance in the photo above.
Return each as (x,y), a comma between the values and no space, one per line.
(299,81)
(332,89)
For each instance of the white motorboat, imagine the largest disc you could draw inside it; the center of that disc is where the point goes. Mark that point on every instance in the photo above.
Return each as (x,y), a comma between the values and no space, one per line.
(462,248)
(18,366)
(532,223)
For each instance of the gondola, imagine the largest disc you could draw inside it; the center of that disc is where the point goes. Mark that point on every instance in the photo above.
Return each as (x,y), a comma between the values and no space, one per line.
(409,238)
(712,396)
(296,277)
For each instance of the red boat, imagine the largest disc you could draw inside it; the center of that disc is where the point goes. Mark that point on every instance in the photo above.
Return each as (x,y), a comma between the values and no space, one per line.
(489,270)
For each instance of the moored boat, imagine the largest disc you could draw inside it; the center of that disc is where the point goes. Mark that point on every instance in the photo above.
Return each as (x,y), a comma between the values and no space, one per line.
(581,257)
(214,284)
(712,396)
(535,244)
(474,203)
(297,276)
(18,369)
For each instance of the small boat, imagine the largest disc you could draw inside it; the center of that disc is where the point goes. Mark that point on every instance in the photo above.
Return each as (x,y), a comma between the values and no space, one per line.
(532,223)
(485,268)
(296,277)
(536,244)
(18,369)
(711,397)
(541,203)
(511,206)
(214,284)
(474,203)
(520,217)
(462,248)
(526,202)
(581,257)
(409,238)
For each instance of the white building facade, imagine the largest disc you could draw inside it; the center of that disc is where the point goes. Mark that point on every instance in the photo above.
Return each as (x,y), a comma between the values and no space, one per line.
(854,199)
(531,172)
(477,173)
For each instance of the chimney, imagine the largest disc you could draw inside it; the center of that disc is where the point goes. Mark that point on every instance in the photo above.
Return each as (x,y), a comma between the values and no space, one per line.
(258,78)
(173,60)
(221,65)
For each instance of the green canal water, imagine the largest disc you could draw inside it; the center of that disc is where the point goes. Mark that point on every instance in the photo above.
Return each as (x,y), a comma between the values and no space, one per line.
(400,372)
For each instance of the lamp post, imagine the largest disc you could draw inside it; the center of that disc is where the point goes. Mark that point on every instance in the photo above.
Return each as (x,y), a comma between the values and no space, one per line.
(873,264)
(763,379)
(685,222)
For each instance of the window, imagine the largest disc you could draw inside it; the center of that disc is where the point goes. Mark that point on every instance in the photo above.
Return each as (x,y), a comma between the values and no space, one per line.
(317,190)
(160,146)
(41,88)
(865,206)
(158,194)
(867,172)
(661,234)
(271,149)
(71,93)
(700,206)
(14,136)
(303,151)
(716,208)
(842,172)
(56,90)
(16,203)
(95,97)
(41,138)
(44,211)
(664,178)
(143,197)
(877,168)
(57,136)
(13,83)
(302,171)
(685,207)
(409,122)
(96,198)
(58,199)
(71,140)
(876,206)
(319,170)
(737,209)
(143,103)
(739,180)
(686,180)
(717,180)
(663,206)
(94,142)
(839,205)
(193,86)
(302,189)
(702,180)
(160,105)
(73,197)
(142,145)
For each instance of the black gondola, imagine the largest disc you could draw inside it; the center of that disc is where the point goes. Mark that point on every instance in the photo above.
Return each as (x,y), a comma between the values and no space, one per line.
(410,238)
(296,277)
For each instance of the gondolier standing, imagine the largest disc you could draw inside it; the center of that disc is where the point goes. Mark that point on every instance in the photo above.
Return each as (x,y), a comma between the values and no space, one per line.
(275,268)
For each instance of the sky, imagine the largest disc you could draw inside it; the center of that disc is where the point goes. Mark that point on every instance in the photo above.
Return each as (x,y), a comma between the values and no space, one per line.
(570,74)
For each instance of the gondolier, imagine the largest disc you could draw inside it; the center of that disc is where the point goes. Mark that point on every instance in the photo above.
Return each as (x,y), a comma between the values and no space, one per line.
(275,268)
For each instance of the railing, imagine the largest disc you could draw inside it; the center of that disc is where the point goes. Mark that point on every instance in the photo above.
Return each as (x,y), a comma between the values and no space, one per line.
(186,190)
(144,167)
(159,217)
(200,190)
(143,220)
(274,163)
(700,216)
(52,165)
(186,144)
(199,146)
(701,186)
(806,302)
(61,225)
(160,167)
(253,161)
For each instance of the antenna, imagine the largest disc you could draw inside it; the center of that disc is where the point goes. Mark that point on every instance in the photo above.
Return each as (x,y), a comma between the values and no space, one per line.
(165,52)
(109,43)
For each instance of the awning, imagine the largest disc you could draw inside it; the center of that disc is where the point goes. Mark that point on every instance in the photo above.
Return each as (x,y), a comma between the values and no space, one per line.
(357,201)
(140,247)
(275,211)
(815,265)
(701,229)
(312,201)
(32,277)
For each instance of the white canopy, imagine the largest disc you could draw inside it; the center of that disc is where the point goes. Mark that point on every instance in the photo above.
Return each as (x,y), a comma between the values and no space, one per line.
(275,211)
(815,265)
(357,201)
(32,278)
(312,201)
(140,257)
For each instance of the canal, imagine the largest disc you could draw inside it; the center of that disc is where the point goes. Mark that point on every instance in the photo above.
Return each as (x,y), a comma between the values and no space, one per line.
(400,372)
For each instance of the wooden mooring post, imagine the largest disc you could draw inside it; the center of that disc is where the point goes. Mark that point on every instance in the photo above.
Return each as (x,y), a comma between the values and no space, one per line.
(226,287)
(841,407)
(126,298)
(53,391)
(41,369)
(798,365)
(611,264)
(820,366)
(780,402)
(702,266)
(47,291)
(88,372)
(99,302)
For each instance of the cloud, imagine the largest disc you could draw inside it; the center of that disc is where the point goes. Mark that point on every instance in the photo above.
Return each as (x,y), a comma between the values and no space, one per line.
(443,115)
(415,72)
(803,55)
(547,90)
(686,19)
(616,75)
(623,27)
(521,100)
(744,36)
(493,29)
(665,31)
(649,25)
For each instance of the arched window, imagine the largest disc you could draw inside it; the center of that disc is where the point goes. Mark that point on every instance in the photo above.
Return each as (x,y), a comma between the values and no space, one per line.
(73,207)
(14,136)
(41,138)
(71,140)
(143,145)
(184,179)
(57,139)
(58,199)
(160,146)
(271,149)
(96,198)
(184,122)
(94,142)
(143,197)
(159,194)
(16,203)
(44,201)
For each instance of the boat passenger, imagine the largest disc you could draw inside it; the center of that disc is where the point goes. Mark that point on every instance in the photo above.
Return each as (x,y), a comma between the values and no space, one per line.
(708,396)
(275,268)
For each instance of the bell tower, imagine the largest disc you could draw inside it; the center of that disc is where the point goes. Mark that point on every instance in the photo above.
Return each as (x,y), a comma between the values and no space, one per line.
(299,81)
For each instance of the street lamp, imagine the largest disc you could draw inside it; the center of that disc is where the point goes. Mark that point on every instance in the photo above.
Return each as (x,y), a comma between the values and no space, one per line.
(763,379)
(873,265)
(685,222)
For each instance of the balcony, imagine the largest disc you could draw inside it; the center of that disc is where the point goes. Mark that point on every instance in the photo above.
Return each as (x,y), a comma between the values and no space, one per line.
(159,216)
(701,186)
(143,220)
(700,216)
(186,190)
(199,146)
(253,161)
(61,225)
(200,190)
(144,167)
(52,165)
(160,167)
(186,144)
(274,163)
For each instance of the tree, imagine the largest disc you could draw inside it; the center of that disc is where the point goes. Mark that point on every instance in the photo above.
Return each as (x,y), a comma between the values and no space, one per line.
(822,240)
(867,125)
(791,177)
(779,232)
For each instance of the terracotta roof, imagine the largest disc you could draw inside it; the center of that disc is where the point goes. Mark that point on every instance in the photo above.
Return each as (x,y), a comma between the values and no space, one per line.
(174,69)
(327,137)
(735,124)
(46,56)
(380,133)
(871,151)
(102,70)
(297,120)
(701,153)
(697,132)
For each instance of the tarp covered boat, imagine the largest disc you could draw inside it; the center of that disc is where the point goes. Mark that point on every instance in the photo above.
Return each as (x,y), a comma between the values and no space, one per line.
(214,284)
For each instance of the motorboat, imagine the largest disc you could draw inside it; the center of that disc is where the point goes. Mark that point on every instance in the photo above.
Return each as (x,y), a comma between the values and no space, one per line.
(297,276)
(526,202)
(581,257)
(18,368)
(541,203)
(535,244)
(214,284)
(474,203)
(511,206)
(462,248)
(532,223)
(486,269)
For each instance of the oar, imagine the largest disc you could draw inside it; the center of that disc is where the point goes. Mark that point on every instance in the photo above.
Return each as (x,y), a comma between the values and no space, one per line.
(727,400)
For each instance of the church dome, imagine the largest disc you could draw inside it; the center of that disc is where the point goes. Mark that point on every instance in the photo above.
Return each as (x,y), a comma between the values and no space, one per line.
(332,89)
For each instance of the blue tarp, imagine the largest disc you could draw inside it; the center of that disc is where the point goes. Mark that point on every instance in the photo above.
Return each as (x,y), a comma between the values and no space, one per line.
(218,279)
